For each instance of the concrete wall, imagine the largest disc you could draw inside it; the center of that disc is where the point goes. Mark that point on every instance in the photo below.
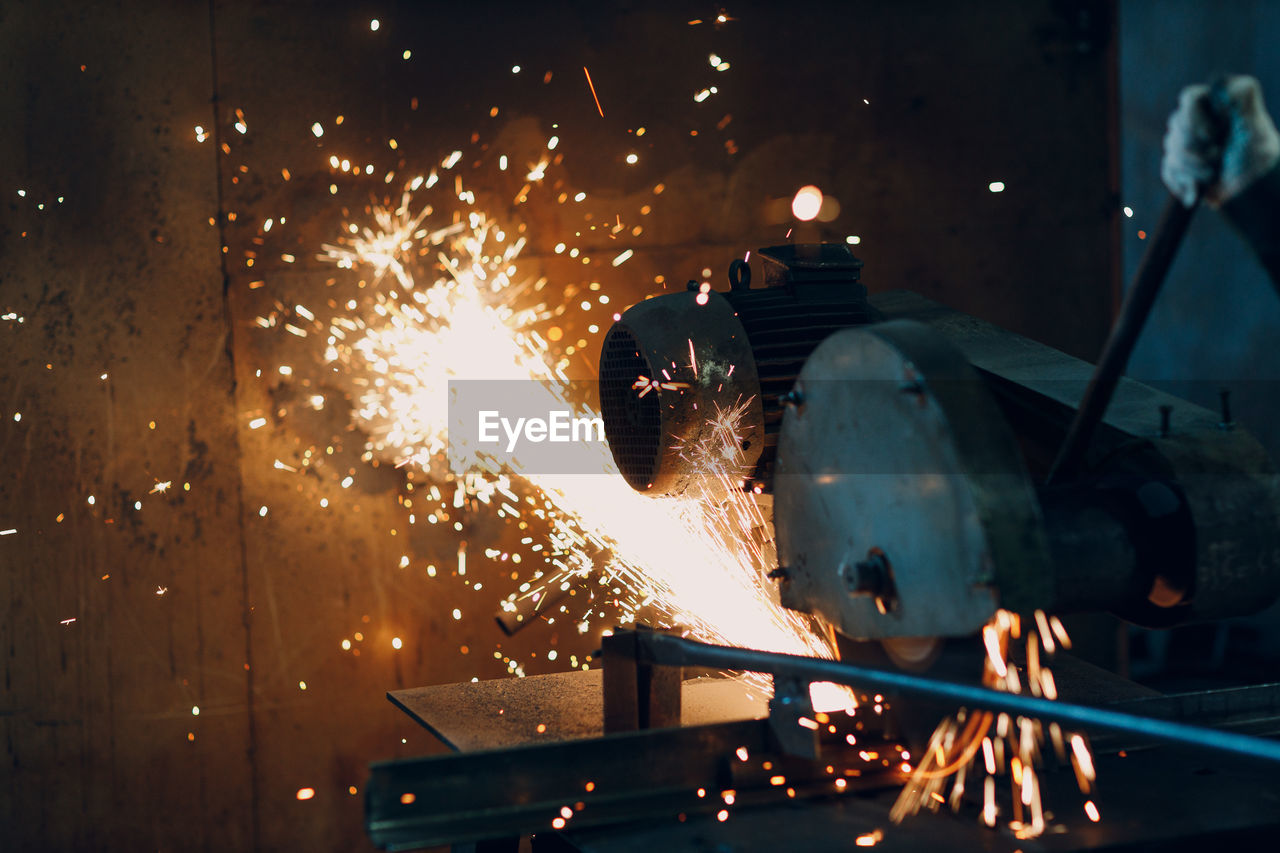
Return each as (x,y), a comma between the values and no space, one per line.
(119,621)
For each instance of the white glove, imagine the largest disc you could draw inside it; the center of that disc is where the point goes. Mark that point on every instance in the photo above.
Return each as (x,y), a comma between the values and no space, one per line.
(1196,157)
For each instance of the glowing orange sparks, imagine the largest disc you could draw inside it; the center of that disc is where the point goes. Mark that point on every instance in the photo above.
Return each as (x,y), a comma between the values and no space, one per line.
(593,91)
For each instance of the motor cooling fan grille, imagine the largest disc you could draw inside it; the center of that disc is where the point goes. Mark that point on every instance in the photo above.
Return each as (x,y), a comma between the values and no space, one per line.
(632,423)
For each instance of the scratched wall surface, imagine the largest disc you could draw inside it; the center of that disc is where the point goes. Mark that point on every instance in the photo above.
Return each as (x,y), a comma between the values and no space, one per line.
(241,555)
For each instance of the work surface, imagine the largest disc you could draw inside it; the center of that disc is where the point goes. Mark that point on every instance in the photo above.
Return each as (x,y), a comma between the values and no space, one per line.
(1152,798)
(562,706)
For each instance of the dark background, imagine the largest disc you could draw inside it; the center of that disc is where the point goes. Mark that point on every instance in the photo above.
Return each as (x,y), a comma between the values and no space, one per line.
(903,112)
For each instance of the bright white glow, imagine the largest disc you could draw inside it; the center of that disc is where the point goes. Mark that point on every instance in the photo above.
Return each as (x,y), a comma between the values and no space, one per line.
(462,325)
(807,203)
(996,186)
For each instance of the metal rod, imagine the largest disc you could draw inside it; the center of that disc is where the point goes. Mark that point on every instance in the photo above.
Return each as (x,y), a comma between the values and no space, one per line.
(1147,281)
(655,647)
(1124,335)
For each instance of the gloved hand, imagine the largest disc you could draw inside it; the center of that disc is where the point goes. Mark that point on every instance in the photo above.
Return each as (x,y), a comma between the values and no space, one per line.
(1220,145)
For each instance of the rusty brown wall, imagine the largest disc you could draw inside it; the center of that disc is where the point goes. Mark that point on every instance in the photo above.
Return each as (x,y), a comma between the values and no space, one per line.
(120,617)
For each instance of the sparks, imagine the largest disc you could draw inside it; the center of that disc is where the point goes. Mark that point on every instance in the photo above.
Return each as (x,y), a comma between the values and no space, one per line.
(472,322)
(594,96)
(1006,744)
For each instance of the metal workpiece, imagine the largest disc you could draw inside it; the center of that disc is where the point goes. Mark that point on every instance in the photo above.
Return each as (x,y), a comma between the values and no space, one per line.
(899,461)
(668,368)
(667,650)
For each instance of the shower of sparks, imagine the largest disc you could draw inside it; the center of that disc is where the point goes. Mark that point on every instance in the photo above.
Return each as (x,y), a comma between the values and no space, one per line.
(594,96)
(683,562)
(984,744)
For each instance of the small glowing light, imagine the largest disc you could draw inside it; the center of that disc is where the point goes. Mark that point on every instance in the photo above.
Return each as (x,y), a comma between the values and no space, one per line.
(195,710)
(137,505)
(515,69)
(407,54)
(580,197)
(558,823)
(722,815)
(257,422)
(457,614)
(395,643)
(374,24)
(407,798)
(92,500)
(996,186)
(347,481)
(17,416)
(1128,211)
(853,239)
(346,645)
(302,685)
(317,130)
(1092,811)
(305,793)
(633,159)
(807,203)
(262,512)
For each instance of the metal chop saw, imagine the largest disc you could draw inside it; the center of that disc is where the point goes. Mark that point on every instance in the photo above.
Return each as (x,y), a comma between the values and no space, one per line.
(906,448)
(925,470)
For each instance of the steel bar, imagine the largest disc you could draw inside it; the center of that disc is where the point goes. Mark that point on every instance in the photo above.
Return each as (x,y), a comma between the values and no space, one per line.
(675,651)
